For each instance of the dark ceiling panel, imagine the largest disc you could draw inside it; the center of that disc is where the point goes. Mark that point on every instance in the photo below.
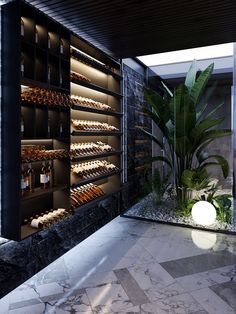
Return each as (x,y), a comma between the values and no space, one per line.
(128,28)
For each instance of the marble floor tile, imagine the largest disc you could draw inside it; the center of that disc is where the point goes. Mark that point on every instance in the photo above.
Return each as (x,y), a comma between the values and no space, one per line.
(131,287)
(31,309)
(196,264)
(208,278)
(227,292)
(211,302)
(172,273)
(108,298)
(178,304)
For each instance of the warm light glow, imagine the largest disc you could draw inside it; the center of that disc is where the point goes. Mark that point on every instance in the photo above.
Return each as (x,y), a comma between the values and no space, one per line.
(85,54)
(203,213)
(204,240)
(201,53)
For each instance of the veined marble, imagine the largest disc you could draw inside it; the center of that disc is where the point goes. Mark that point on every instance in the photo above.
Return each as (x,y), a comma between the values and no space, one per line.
(126,273)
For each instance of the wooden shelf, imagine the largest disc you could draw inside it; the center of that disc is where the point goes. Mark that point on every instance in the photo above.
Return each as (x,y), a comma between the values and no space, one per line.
(85,157)
(104,176)
(81,57)
(34,83)
(88,109)
(40,192)
(97,88)
(95,133)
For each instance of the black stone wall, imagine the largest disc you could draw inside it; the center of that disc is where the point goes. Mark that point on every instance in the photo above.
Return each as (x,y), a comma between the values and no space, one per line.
(21,260)
(137,147)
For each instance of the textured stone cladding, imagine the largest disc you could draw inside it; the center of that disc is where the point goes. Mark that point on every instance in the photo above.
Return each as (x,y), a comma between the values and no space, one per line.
(138,147)
(21,260)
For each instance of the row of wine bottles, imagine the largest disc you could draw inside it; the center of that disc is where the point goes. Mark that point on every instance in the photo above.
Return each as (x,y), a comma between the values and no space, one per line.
(48,218)
(31,153)
(88,125)
(37,37)
(82,195)
(46,178)
(42,96)
(90,103)
(92,169)
(79,76)
(89,148)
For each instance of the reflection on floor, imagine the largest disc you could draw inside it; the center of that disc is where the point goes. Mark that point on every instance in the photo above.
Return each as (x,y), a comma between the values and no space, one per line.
(131,267)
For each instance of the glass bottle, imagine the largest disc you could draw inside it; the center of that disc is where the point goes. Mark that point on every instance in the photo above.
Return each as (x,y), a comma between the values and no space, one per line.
(49,128)
(43,177)
(23,184)
(49,42)
(50,174)
(22,66)
(22,126)
(61,46)
(31,176)
(22,28)
(49,74)
(36,35)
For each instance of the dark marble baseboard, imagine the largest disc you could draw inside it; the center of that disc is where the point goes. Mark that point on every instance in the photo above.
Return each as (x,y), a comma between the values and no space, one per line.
(21,260)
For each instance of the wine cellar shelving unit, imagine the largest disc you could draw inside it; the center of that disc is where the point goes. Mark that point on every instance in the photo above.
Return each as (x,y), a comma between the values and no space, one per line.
(40,54)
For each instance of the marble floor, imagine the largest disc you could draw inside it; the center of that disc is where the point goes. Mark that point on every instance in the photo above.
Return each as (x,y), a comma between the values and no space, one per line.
(133,267)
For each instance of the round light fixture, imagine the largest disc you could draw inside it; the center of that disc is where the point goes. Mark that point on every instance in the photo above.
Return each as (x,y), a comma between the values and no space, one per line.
(203,213)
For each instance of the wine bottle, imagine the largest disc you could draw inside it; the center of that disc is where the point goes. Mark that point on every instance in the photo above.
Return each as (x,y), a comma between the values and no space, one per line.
(23,184)
(49,128)
(61,46)
(22,66)
(22,126)
(50,174)
(31,177)
(36,35)
(44,177)
(49,42)
(22,28)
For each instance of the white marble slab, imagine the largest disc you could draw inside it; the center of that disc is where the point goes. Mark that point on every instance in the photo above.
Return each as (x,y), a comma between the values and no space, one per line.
(207,278)
(211,302)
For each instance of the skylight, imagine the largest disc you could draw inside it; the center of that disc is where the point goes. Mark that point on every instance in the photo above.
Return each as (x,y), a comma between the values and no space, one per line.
(207,52)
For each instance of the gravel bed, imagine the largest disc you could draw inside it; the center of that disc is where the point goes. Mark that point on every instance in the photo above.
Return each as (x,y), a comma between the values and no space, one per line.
(147,209)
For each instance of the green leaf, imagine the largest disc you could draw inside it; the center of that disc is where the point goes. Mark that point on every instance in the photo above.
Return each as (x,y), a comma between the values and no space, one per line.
(195,179)
(191,76)
(203,126)
(160,158)
(167,89)
(213,134)
(153,137)
(200,84)
(214,110)
(221,161)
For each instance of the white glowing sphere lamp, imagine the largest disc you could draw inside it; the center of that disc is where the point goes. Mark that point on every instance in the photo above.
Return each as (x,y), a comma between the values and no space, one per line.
(203,213)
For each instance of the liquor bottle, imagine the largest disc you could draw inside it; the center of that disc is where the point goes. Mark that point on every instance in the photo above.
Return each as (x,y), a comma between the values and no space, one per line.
(22,126)
(49,74)
(23,184)
(50,174)
(61,129)
(22,66)
(61,46)
(49,42)
(44,177)
(22,28)
(49,128)
(31,177)
(36,35)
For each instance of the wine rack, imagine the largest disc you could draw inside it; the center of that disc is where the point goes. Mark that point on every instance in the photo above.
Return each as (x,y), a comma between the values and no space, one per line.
(50,78)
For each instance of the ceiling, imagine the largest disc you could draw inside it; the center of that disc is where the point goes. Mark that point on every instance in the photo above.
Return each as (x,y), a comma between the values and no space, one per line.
(129,28)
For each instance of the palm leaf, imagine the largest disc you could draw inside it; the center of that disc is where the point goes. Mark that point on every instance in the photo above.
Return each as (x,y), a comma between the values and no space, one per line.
(159,158)
(167,89)
(200,84)
(221,161)
(153,137)
(191,76)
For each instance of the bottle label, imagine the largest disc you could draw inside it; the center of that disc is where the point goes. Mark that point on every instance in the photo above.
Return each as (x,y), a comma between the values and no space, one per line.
(43,178)
(23,185)
(26,182)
